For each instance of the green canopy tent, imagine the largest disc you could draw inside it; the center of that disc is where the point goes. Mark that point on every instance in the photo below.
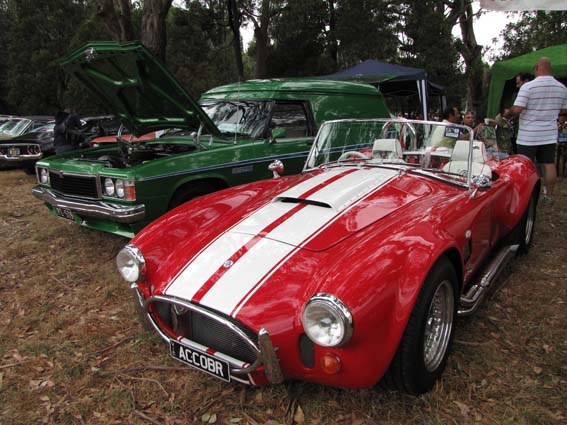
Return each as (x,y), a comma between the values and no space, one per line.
(503,87)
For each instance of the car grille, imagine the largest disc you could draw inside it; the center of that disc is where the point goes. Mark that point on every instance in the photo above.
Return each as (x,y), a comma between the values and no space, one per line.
(206,331)
(74,185)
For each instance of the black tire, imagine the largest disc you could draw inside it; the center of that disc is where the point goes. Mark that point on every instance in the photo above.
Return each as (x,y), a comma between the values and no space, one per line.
(191,191)
(523,233)
(424,348)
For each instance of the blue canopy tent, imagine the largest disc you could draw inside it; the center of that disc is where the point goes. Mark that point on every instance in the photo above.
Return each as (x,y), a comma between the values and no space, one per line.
(392,80)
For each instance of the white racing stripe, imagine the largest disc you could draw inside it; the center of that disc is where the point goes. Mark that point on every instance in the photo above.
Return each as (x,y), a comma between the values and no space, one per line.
(227,289)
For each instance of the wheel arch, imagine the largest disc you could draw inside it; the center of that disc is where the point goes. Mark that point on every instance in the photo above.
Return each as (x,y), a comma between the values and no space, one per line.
(217,183)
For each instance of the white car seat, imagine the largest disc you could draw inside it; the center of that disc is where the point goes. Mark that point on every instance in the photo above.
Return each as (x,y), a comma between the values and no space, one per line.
(460,155)
(389,149)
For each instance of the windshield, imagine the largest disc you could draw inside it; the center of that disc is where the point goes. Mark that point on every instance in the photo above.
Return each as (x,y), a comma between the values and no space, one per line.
(446,150)
(9,125)
(243,118)
(18,128)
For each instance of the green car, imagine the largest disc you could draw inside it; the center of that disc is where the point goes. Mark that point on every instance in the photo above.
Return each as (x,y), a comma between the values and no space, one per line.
(229,139)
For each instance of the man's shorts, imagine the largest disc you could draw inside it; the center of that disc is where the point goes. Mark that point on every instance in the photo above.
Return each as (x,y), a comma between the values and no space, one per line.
(542,154)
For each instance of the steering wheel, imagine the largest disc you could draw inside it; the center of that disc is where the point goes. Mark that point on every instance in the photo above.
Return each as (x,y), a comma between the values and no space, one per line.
(352,155)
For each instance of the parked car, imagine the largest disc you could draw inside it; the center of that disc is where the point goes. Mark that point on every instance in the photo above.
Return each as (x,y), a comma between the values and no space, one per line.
(349,274)
(15,127)
(25,150)
(230,140)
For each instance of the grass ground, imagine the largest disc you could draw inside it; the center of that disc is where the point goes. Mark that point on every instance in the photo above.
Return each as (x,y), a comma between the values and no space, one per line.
(73,352)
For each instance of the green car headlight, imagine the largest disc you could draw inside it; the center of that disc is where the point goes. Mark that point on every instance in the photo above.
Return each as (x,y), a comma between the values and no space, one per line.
(119,188)
(109,187)
(131,264)
(327,321)
(43,176)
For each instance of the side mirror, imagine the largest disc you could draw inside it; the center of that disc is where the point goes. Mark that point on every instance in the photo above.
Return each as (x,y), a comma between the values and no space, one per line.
(277,168)
(278,133)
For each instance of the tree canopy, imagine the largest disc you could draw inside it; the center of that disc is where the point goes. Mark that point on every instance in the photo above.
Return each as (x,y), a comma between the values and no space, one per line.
(201,41)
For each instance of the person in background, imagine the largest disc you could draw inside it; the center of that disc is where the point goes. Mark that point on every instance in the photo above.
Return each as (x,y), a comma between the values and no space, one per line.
(520,79)
(439,136)
(59,133)
(538,104)
(469,120)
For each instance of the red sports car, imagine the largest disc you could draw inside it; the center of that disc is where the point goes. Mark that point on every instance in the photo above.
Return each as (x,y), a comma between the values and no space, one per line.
(349,274)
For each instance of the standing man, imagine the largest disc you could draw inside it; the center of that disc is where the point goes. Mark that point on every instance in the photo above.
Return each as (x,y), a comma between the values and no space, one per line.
(538,104)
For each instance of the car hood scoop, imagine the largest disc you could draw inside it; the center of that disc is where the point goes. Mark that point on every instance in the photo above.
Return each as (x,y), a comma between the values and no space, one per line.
(322,210)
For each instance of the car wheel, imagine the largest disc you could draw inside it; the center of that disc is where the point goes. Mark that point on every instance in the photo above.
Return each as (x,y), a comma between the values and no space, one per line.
(190,191)
(422,354)
(523,233)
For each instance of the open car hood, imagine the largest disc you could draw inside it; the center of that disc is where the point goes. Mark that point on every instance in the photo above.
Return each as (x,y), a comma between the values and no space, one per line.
(136,87)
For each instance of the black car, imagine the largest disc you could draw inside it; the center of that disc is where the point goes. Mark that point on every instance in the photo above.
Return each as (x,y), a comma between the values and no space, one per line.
(24,150)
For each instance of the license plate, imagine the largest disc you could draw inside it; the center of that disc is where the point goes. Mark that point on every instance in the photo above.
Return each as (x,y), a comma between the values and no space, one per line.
(13,151)
(65,213)
(200,360)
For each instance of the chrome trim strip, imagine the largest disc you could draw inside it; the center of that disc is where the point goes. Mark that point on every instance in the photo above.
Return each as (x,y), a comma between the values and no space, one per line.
(234,368)
(96,209)
(230,165)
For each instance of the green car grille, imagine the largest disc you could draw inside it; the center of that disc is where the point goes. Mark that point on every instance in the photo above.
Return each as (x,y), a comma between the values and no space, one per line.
(74,185)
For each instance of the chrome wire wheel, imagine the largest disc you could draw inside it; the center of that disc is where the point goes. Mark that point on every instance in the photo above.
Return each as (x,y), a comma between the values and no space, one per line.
(530,222)
(438,326)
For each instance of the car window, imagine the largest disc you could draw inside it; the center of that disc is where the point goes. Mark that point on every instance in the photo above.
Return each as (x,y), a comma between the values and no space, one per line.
(292,118)
(246,118)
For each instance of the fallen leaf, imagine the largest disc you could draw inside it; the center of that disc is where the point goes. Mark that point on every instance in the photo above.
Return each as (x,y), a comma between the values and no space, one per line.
(213,419)
(547,348)
(537,370)
(463,408)
(259,397)
(235,420)
(299,417)
(205,418)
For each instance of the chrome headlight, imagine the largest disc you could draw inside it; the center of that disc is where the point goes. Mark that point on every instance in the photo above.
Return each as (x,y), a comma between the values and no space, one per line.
(43,176)
(131,263)
(108,186)
(327,321)
(119,188)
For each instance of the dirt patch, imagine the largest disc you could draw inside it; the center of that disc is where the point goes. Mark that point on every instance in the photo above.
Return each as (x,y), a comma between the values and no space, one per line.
(72,350)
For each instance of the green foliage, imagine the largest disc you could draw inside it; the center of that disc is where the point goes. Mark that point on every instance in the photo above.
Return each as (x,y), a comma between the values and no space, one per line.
(199,52)
(366,30)
(533,31)
(299,40)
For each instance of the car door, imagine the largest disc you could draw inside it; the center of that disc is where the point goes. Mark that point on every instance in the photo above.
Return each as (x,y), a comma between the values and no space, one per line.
(290,133)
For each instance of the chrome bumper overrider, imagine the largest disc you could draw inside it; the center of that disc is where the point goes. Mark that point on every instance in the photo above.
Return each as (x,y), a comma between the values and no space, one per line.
(265,352)
(96,209)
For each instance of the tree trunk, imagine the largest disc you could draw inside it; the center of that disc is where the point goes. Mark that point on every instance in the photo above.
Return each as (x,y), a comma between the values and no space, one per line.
(261,36)
(471,53)
(118,24)
(234,20)
(153,33)
(333,44)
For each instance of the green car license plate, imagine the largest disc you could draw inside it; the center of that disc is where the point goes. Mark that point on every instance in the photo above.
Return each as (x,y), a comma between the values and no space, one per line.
(200,360)
(65,213)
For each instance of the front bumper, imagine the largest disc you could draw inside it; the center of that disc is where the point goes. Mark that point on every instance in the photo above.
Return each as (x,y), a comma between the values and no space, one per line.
(265,369)
(126,214)
(15,159)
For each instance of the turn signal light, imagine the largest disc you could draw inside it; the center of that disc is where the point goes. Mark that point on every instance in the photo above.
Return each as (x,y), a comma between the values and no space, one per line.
(330,364)
(129,190)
